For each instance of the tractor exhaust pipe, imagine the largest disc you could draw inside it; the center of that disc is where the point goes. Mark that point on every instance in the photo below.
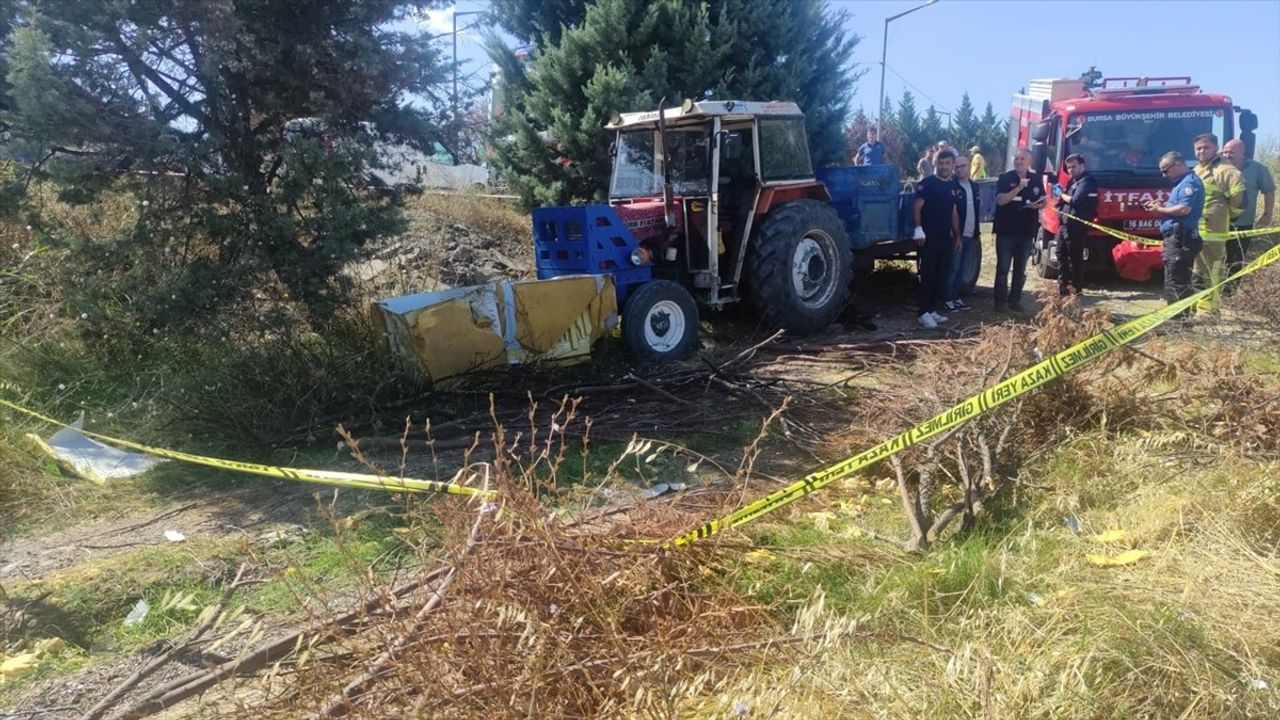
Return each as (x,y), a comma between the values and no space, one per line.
(668,193)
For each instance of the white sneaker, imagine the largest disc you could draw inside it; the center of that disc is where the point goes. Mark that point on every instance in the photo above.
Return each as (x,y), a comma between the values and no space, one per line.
(926,320)
(938,318)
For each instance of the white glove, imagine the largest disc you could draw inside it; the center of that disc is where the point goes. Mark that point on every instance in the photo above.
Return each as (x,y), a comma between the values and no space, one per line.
(918,234)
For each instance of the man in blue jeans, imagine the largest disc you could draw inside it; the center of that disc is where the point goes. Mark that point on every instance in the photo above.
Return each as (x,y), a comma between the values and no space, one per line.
(1019,197)
(962,256)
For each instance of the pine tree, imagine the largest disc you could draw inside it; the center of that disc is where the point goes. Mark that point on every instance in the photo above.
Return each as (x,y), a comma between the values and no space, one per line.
(931,126)
(907,122)
(624,55)
(994,140)
(188,106)
(965,134)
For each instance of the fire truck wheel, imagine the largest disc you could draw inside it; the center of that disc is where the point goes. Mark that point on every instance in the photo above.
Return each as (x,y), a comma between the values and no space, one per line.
(799,267)
(1043,257)
(660,321)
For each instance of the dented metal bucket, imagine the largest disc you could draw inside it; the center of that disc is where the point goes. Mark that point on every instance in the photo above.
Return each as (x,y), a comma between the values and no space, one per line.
(442,334)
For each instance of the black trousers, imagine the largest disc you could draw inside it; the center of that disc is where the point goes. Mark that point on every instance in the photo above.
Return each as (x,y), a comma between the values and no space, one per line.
(935,272)
(1180,249)
(1070,256)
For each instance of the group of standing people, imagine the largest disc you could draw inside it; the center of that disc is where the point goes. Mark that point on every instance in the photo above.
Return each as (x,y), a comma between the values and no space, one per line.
(1219,196)
(872,152)
(947,211)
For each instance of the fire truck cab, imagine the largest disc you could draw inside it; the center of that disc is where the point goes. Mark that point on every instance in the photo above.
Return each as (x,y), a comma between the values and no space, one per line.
(1121,126)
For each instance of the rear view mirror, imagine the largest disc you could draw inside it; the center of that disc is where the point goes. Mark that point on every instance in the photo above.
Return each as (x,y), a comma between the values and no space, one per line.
(1039,156)
(1040,131)
(730,145)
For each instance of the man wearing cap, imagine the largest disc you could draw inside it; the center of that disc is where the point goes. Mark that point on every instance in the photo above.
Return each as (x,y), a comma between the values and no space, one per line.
(1180,225)
(977,164)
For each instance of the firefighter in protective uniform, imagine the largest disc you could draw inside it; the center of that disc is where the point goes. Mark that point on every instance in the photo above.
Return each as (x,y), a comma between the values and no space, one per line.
(1223,201)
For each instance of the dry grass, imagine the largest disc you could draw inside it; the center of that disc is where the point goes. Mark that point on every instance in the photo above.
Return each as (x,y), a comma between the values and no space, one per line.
(494,217)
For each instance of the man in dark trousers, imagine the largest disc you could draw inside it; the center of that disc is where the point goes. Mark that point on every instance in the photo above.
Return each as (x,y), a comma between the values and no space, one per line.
(1019,197)
(937,235)
(1180,225)
(1080,200)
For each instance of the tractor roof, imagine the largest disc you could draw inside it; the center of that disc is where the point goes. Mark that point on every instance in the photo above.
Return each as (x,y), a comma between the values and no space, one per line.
(699,111)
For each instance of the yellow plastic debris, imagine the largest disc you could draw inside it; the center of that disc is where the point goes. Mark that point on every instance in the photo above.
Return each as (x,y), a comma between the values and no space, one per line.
(18,665)
(759,556)
(1127,557)
(1110,537)
(822,520)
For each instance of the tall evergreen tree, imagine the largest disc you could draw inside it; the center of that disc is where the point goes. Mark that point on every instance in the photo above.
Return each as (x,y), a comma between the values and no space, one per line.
(994,137)
(189,105)
(965,133)
(624,55)
(908,125)
(931,126)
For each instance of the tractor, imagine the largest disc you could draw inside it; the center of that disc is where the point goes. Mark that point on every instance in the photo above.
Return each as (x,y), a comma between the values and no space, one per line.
(709,203)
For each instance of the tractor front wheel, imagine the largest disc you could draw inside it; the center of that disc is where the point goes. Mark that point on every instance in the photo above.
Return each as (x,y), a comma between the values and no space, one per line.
(799,267)
(660,321)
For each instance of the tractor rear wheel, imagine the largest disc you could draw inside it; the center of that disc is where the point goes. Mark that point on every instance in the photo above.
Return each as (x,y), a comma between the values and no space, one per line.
(660,321)
(799,267)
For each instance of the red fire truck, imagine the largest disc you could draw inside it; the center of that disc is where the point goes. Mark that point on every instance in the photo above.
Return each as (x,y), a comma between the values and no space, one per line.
(1121,126)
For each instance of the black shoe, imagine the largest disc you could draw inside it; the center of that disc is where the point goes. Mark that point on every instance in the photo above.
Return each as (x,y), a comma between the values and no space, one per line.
(1000,306)
(1016,306)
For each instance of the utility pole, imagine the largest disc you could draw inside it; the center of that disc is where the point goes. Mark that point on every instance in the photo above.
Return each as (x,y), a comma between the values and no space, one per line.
(884,54)
(456,15)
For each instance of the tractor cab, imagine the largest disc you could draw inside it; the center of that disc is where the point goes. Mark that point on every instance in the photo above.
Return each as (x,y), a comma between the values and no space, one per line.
(709,202)
(718,159)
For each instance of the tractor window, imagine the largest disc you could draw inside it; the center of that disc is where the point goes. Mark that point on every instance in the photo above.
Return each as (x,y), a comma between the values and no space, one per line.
(784,149)
(637,168)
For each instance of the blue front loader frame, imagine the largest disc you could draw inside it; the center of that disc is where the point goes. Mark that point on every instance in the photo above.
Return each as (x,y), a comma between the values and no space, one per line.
(587,240)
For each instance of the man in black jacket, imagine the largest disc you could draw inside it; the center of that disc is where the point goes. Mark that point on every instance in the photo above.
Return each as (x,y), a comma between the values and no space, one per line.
(1019,197)
(1080,200)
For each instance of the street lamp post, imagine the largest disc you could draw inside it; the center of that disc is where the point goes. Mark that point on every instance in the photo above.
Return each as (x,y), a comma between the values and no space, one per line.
(456,15)
(884,53)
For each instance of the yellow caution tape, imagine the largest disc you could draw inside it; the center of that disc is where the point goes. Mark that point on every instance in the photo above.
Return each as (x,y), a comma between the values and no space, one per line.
(325,477)
(1153,242)
(994,396)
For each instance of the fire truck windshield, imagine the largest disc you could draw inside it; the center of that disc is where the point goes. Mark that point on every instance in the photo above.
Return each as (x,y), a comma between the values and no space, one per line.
(637,168)
(1131,142)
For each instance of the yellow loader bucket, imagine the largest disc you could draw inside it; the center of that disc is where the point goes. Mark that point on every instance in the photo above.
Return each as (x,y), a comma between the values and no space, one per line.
(439,335)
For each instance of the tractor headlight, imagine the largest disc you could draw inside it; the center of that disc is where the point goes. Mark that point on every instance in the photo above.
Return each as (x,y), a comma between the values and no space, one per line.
(641,256)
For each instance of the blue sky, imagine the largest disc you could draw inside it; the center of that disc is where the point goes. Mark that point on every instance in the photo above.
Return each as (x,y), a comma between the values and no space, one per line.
(1226,47)
(1231,47)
